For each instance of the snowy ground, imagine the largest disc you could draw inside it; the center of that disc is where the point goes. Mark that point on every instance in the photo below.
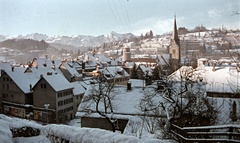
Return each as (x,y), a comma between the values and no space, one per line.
(73,133)
(75,123)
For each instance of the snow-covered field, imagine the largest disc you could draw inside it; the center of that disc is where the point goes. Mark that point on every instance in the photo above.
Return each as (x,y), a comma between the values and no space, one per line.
(59,133)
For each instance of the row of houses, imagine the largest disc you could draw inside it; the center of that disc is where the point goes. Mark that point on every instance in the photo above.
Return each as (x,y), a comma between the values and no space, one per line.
(50,91)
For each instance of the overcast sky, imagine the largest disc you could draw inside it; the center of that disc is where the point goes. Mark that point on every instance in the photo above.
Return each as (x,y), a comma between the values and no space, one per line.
(98,17)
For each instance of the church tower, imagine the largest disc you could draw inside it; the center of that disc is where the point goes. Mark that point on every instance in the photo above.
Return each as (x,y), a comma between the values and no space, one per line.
(174,48)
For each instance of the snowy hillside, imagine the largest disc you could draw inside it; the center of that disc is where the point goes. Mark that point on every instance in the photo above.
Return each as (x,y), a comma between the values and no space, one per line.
(77,41)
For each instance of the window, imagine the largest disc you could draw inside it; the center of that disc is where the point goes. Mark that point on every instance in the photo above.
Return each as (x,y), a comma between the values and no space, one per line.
(3,85)
(60,103)
(60,94)
(43,85)
(7,86)
(3,95)
(3,78)
(174,51)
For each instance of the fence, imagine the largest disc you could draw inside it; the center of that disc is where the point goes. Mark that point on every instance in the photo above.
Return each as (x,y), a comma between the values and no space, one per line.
(220,134)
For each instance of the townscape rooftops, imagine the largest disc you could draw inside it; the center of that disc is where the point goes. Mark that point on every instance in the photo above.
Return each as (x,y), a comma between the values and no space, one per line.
(43,62)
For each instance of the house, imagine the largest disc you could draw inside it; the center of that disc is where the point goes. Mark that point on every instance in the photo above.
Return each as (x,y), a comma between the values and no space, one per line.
(125,103)
(16,92)
(4,66)
(58,108)
(114,74)
(71,70)
(143,71)
(221,86)
(39,93)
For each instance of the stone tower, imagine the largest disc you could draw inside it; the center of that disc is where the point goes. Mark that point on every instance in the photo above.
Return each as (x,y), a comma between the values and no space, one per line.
(174,48)
(126,54)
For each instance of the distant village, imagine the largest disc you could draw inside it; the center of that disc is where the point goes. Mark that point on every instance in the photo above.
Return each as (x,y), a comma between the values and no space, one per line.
(52,88)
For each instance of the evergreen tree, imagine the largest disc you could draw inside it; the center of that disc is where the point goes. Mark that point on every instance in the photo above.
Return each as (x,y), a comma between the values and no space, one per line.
(134,74)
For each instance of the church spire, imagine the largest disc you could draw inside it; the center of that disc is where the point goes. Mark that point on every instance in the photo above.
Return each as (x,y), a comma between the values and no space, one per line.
(175,32)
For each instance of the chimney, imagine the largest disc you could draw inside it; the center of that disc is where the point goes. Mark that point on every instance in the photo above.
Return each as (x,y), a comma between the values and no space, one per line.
(45,64)
(12,68)
(53,66)
(129,85)
(30,86)
(49,73)
(83,65)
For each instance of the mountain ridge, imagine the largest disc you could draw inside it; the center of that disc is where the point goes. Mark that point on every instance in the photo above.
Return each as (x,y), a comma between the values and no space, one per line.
(77,41)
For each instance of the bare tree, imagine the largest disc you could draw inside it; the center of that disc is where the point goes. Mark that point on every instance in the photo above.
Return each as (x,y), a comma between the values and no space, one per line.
(99,99)
(182,98)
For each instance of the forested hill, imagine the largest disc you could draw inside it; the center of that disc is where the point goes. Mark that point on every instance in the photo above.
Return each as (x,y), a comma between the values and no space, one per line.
(24,44)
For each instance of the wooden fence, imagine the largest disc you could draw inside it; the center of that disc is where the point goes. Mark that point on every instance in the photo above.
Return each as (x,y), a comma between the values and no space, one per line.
(220,134)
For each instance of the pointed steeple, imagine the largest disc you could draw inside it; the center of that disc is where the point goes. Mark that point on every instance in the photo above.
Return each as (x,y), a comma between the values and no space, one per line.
(175,32)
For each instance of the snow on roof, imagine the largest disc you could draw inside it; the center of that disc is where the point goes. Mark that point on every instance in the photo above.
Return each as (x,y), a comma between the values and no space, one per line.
(30,76)
(58,81)
(5,66)
(49,63)
(91,64)
(78,88)
(224,79)
(125,102)
(71,67)
(19,77)
(145,69)
(164,59)
(102,58)
(117,71)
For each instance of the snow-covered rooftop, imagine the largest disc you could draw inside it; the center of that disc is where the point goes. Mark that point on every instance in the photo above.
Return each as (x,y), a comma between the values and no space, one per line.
(223,79)
(58,81)
(125,102)
(78,88)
